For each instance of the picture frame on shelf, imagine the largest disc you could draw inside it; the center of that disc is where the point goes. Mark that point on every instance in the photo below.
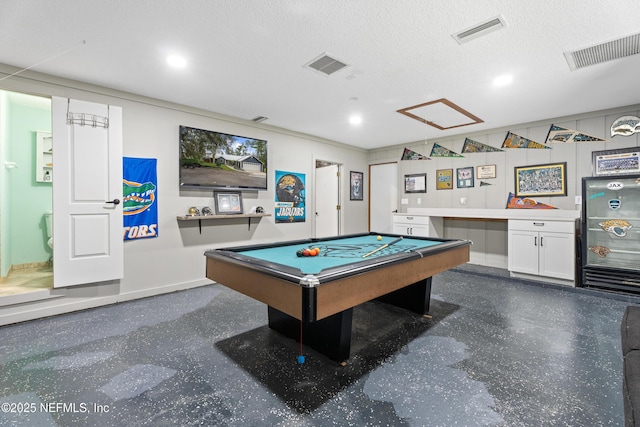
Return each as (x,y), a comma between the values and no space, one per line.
(541,180)
(465,177)
(415,183)
(228,202)
(355,185)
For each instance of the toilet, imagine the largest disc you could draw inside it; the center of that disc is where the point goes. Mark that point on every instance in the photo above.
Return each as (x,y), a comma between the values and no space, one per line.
(48,219)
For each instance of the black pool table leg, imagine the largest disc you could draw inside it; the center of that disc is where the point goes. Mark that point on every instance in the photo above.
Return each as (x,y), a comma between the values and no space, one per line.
(414,297)
(330,336)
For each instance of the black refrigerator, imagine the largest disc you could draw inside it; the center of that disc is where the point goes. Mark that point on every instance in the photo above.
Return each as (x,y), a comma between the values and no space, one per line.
(611,233)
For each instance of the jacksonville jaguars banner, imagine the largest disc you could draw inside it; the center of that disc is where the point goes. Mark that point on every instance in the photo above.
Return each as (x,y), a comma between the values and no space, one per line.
(290,197)
(139,204)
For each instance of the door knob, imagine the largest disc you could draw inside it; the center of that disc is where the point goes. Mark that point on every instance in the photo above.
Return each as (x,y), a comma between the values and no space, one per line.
(114,201)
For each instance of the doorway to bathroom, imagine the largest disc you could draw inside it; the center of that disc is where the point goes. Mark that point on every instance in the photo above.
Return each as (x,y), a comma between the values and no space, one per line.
(26,180)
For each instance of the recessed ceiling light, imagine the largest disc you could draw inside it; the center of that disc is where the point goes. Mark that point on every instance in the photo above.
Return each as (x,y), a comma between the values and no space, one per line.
(355,120)
(503,80)
(176,61)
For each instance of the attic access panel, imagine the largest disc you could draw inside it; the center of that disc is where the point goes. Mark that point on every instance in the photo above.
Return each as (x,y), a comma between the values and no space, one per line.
(441,114)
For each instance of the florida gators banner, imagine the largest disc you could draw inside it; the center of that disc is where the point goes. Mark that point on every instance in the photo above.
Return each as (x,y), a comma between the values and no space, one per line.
(139,204)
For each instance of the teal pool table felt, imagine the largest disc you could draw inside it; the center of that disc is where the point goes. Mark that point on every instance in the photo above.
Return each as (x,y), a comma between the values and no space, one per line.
(337,252)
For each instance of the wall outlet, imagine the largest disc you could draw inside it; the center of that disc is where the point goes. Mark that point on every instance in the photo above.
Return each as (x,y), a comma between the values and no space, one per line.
(578,200)
(419,201)
(404,201)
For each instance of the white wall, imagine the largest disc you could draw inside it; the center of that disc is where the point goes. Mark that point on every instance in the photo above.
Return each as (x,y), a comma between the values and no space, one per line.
(175,259)
(490,237)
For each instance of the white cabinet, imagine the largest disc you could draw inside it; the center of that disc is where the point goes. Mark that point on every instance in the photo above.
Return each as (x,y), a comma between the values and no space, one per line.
(543,248)
(411,225)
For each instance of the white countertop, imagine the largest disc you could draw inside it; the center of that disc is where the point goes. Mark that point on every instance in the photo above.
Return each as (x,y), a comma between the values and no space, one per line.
(532,214)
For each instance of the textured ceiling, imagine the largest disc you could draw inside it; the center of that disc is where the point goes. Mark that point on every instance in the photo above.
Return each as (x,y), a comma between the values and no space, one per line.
(246,58)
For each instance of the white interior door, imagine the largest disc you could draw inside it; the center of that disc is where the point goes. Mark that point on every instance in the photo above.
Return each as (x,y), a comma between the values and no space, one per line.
(327,182)
(383,196)
(87,214)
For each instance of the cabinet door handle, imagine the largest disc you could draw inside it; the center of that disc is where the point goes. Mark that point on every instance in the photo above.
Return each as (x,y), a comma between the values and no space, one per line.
(539,224)
(408,232)
(541,241)
(535,241)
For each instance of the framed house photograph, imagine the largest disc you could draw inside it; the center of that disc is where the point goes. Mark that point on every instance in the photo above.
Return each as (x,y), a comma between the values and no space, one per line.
(541,180)
(415,183)
(355,186)
(621,161)
(464,177)
(228,202)
(444,179)
(486,171)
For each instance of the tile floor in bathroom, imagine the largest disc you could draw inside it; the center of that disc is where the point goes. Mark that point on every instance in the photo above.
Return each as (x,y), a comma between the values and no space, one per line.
(23,280)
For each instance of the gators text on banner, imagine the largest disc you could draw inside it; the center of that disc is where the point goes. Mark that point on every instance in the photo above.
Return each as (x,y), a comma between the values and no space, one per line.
(139,204)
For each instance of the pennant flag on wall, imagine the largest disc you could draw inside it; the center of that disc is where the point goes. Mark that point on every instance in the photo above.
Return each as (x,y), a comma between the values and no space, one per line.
(439,151)
(484,183)
(412,155)
(139,202)
(515,141)
(560,134)
(514,202)
(471,146)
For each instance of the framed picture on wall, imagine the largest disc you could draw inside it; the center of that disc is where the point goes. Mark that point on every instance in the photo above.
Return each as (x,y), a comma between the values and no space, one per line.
(444,179)
(228,202)
(541,180)
(355,186)
(621,161)
(486,171)
(415,183)
(464,177)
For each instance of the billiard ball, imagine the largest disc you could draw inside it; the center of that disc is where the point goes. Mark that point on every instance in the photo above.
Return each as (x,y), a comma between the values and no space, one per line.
(305,252)
(299,252)
(379,237)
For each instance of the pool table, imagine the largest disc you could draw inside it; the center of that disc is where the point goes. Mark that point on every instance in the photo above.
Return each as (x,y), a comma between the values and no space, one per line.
(314,296)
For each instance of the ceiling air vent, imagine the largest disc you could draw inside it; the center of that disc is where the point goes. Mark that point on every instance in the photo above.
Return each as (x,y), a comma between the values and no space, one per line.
(479,30)
(326,65)
(603,52)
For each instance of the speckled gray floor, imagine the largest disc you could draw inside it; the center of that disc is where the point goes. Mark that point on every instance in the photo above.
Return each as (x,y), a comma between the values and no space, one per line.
(497,352)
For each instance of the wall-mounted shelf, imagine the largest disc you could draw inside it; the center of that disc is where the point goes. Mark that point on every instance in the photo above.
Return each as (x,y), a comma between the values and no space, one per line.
(44,157)
(201,218)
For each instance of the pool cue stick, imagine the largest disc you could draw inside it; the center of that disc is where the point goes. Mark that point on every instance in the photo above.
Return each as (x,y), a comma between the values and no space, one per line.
(382,247)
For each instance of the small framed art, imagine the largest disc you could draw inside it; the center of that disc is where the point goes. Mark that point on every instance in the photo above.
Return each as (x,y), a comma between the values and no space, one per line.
(355,186)
(444,179)
(464,177)
(228,202)
(486,171)
(415,183)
